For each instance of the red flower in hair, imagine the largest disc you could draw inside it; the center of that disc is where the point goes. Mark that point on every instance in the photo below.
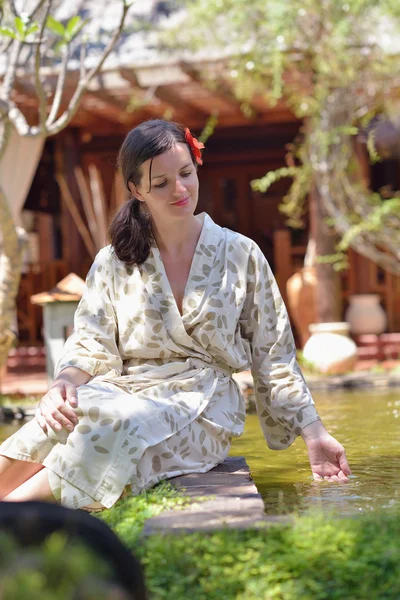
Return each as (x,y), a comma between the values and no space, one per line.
(195,145)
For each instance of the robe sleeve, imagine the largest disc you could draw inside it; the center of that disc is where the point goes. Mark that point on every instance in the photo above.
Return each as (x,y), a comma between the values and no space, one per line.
(283,401)
(92,346)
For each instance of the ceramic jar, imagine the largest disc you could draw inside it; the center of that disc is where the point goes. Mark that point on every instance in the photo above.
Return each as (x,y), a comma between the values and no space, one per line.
(301,294)
(329,349)
(365,315)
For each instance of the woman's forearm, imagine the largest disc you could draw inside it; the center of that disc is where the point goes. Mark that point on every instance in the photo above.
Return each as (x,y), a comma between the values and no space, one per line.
(73,375)
(313,430)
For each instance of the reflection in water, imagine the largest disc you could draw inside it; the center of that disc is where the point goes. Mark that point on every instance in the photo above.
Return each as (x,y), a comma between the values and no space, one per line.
(367,424)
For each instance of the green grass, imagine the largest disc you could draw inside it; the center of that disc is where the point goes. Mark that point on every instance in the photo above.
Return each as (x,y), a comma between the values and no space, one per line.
(316,558)
(128,516)
(313,558)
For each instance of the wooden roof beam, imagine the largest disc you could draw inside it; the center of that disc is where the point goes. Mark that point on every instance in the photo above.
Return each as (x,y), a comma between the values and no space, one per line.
(104,104)
(221,89)
(168,96)
(144,96)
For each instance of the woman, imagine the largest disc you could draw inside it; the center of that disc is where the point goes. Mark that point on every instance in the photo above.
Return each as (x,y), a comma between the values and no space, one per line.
(173,307)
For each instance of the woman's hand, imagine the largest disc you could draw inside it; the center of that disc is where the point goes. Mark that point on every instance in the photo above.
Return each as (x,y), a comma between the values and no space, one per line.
(327,457)
(55,409)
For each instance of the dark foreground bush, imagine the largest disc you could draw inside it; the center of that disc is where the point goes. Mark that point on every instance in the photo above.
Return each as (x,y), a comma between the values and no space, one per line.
(48,551)
(55,569)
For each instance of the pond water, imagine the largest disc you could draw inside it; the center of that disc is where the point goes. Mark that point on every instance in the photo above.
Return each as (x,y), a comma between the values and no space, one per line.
(366,423)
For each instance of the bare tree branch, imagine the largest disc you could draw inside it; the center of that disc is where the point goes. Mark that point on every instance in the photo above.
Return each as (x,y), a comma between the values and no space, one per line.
(9,78)
(36,9)
(82,69)
(347,202)
(83,85)
(5,133)
(13,9)
(59,87)
(38,60)
(10,111)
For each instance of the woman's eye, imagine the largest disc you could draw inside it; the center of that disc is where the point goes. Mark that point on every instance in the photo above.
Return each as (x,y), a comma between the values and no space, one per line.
(186,174)
(160,185)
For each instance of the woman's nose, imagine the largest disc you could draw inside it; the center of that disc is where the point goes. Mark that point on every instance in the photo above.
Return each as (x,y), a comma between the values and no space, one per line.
(179,188)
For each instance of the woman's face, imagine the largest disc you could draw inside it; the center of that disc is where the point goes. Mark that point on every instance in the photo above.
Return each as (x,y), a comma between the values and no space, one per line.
(173,188)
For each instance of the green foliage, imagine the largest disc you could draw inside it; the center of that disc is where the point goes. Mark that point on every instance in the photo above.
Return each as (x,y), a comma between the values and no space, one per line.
(67,32)
(21,31)
(372,151)
(375,221)
(128,516)
(316,558)
(55,569)
(209,128)
(302,51)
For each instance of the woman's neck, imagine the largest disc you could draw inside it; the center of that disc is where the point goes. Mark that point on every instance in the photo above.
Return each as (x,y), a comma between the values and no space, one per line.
(173,238)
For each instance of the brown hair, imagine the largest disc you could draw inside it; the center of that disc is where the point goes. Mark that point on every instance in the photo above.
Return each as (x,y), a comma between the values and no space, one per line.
(130,231)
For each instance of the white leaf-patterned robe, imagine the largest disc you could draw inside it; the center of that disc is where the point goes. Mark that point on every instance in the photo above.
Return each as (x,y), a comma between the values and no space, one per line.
(161,401)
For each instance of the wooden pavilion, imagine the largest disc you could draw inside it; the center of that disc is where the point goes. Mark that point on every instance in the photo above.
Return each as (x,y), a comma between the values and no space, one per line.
(243,147)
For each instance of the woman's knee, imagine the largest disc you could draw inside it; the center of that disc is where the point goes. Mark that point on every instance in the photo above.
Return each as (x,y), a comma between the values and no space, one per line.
(14,472)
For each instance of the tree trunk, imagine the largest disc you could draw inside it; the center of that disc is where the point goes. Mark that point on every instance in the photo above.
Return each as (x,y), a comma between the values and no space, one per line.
(328,292)
(14,243)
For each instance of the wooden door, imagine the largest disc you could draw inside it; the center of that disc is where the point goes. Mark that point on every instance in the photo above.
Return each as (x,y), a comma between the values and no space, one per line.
(226,194)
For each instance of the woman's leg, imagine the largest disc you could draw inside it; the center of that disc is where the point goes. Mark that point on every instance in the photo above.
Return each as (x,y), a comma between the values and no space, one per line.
(14,473)
(37,487)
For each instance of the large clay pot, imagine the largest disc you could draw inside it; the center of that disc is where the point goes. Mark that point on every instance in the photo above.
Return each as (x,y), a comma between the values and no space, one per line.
(301,294)
(365,315)
(329,349)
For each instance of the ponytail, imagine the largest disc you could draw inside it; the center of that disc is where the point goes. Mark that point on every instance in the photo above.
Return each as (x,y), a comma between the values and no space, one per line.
(130,233)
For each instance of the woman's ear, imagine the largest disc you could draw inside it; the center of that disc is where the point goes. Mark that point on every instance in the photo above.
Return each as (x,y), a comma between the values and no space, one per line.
(135,192)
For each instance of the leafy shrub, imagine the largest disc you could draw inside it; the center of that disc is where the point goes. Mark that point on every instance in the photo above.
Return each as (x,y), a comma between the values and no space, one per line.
(55,569)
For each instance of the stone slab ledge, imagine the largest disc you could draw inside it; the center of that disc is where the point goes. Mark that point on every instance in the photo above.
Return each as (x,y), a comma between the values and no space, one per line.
(228,498)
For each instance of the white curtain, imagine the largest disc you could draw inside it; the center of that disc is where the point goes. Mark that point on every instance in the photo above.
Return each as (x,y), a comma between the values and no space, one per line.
(17,169)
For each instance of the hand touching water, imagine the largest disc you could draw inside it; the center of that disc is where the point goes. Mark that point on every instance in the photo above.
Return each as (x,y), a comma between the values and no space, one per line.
(327,457)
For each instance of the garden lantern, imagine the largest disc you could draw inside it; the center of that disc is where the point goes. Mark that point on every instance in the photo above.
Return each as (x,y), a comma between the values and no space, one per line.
(59,306)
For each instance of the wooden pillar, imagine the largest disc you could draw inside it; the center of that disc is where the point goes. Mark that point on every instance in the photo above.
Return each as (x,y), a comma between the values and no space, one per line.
(45,226)
(361,264)
(328,293)
(67,158)
(283,260)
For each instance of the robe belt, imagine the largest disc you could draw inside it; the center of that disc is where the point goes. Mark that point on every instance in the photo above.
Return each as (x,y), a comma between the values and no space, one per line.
(201,364)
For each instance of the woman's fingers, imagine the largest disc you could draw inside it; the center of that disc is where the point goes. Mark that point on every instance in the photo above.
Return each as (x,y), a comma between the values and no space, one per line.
(343,477)
(344,465)
(71,396)
(57,412)
(332,478)
(40,419)
(55,419)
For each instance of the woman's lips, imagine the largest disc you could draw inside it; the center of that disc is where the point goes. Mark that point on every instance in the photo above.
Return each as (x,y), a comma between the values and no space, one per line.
(181,202)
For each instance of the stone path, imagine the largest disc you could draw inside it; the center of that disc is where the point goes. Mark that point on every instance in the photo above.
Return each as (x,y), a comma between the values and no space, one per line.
(228,498)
